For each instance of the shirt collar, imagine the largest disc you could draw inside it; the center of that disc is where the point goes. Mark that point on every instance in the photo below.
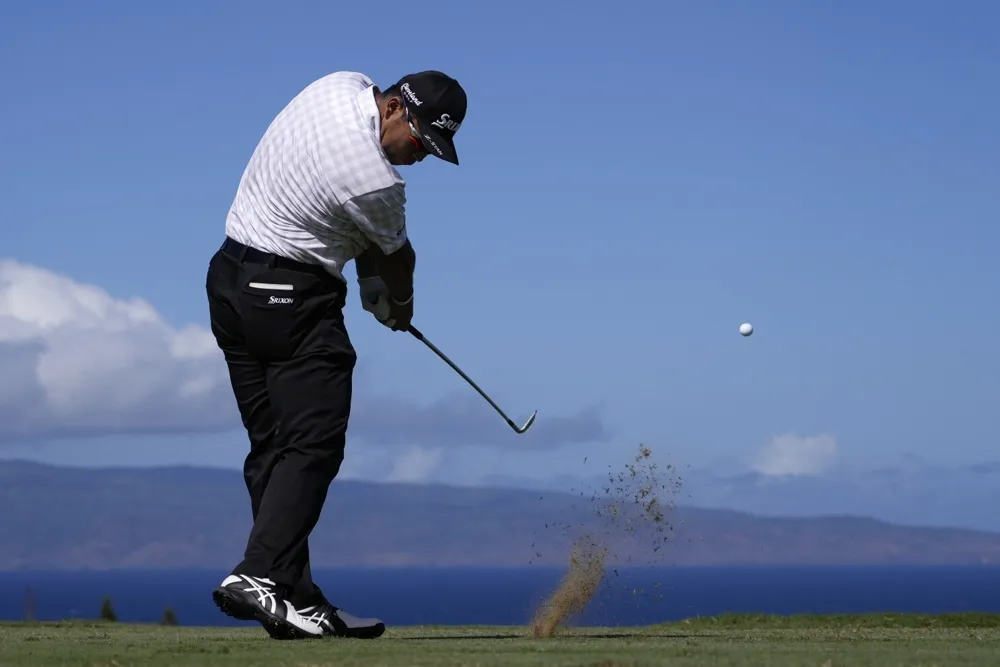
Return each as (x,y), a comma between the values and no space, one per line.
(369,109)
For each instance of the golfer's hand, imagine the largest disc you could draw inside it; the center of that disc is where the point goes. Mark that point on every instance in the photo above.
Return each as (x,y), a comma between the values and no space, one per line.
(400,314)
(375,299)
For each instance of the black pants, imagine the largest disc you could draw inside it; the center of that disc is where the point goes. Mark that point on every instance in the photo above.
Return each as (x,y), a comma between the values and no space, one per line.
(281,328)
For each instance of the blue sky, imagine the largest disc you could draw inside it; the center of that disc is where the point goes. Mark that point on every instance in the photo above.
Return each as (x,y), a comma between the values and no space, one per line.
(636,181)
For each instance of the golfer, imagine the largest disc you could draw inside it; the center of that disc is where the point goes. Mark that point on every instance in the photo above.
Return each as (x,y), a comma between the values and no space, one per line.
(320,189)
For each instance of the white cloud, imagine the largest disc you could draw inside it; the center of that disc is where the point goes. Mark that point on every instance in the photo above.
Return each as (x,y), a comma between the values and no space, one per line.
(415,464)
(793,455)
(78,361)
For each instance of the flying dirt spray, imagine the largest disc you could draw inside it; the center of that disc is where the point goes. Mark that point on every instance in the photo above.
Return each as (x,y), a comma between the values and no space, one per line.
(575,591)
(629,512)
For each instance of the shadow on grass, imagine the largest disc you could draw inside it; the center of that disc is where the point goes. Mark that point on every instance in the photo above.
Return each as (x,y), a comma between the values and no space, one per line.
(577,637)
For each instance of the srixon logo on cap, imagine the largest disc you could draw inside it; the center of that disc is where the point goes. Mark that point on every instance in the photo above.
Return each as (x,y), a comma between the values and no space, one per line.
(446,123)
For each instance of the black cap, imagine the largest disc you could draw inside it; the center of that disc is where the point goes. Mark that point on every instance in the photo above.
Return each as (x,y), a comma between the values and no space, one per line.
(438,103)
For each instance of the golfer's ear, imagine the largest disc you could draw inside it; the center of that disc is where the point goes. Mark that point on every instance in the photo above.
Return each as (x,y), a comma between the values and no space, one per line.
(393,107)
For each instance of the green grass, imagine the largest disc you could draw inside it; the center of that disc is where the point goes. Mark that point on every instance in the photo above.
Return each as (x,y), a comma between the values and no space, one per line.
(883,640)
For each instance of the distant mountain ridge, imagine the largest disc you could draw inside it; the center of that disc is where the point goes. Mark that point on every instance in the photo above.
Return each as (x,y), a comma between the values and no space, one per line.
(182,517)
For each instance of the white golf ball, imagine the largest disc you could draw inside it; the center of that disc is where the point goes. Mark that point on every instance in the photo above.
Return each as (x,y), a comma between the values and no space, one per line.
(746,329)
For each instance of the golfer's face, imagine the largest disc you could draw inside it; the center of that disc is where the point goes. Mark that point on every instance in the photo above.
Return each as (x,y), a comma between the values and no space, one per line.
(416,147)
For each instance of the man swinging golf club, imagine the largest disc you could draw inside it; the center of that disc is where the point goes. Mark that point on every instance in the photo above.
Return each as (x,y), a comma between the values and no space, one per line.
(320,189)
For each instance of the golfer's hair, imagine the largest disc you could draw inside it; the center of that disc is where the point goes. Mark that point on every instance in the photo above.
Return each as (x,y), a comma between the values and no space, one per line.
(393,91)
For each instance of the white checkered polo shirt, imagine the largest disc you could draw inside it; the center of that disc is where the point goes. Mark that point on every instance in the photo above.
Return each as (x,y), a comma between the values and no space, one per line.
(318,187)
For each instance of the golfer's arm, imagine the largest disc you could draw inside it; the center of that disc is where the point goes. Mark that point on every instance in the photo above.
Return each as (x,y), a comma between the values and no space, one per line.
(396,271)
(366,264)
(381,217)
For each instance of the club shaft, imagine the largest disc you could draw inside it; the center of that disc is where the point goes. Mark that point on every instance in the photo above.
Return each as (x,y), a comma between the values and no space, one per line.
(419,336)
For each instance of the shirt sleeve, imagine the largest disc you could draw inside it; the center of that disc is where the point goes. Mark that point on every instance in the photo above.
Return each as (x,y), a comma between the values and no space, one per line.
(381,216)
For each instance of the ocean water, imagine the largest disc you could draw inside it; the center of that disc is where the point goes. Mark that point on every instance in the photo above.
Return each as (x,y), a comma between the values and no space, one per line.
(509,596)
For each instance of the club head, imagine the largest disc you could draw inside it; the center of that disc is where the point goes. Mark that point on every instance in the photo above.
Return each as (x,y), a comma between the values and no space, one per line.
(527,424)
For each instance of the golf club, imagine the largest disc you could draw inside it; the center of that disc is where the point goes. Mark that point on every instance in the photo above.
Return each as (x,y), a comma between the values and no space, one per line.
(419,336)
